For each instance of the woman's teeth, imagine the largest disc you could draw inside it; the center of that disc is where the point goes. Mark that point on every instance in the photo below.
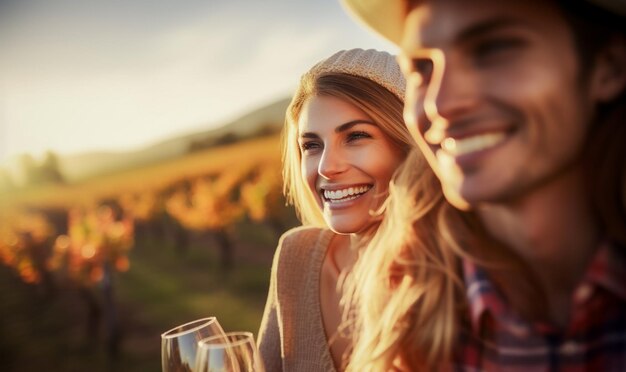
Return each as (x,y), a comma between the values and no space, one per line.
(345,194)
(467,145)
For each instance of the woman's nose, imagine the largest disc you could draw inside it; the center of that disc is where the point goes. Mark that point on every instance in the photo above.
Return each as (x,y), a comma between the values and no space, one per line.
(332,162)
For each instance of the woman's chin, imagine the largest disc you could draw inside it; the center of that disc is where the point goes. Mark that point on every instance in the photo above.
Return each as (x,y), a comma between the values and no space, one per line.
(350,227)
(342,230)
(344,227)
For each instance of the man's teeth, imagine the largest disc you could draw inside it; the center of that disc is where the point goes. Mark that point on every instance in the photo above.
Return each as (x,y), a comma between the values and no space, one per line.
(467,145)
(345,194)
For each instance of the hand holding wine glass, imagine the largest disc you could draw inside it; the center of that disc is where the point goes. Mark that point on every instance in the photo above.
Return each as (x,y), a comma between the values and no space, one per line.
(179,345)
(234,352)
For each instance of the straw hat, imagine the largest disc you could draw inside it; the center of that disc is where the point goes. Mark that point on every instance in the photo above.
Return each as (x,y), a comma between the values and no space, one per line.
(380,67)
(386,17)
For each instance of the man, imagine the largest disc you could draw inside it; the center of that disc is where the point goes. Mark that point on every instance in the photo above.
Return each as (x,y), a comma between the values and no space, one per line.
(519,108)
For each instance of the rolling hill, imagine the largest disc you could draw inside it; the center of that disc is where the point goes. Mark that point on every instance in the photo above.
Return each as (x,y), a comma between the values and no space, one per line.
(83,166)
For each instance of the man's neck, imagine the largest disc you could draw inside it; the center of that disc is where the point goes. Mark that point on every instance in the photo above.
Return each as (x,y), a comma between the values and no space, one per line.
(554,234)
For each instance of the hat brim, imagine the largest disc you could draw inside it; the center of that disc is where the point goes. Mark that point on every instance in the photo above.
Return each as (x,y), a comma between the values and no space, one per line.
(385,17)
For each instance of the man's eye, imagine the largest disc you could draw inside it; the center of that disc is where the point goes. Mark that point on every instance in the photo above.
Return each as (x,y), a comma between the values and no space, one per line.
(354,136)
(496,48)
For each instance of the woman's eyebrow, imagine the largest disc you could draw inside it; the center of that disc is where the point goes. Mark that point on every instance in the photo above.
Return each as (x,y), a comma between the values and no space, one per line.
(342,128)
(309,135)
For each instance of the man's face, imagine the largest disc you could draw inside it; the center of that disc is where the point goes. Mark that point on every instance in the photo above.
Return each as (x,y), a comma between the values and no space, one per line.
(494,96)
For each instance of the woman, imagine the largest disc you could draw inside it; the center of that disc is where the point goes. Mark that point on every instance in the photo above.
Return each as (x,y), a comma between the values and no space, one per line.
(343,139)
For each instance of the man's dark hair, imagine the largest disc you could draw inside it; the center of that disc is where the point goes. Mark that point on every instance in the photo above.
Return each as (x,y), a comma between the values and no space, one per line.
(605,156)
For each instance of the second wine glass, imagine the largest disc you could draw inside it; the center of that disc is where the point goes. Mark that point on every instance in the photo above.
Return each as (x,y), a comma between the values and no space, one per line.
(234,352)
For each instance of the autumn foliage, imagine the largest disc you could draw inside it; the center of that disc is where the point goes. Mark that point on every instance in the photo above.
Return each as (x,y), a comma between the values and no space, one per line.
(99,229)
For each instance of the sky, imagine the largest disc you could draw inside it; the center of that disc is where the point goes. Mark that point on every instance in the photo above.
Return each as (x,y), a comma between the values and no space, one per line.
(115,75)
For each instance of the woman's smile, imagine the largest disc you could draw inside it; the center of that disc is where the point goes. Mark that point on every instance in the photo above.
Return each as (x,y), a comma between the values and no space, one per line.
(343,197)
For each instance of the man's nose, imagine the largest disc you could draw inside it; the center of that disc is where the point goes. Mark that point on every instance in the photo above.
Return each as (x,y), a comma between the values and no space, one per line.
(452,91)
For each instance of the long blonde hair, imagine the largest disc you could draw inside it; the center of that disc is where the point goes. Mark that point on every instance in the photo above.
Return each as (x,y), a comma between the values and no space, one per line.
(405,293)
(382,106)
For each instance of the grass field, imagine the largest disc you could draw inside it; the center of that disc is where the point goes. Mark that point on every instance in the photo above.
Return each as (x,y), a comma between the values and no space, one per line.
(162,290)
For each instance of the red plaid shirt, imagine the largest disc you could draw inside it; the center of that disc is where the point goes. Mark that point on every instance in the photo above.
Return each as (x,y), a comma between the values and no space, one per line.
(594,340)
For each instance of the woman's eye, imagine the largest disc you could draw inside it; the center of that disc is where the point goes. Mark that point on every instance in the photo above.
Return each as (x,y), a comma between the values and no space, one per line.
(306,146)
(354,136)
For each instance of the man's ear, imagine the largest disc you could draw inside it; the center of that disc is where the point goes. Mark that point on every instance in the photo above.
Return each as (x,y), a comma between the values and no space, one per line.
(608,78)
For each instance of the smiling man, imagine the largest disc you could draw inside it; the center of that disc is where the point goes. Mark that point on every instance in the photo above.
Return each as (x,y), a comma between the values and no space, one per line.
(519,107)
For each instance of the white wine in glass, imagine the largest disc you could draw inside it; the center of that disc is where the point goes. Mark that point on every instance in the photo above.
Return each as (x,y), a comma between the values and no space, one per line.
(234,352)
(180,344)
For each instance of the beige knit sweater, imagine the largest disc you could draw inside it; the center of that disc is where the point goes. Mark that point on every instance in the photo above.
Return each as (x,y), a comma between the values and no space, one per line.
(292,336)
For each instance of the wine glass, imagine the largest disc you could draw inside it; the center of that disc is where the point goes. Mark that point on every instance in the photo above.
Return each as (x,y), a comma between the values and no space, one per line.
(234,352)
(180,344)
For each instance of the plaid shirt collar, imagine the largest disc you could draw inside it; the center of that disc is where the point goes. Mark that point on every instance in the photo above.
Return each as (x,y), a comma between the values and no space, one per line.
(607,271)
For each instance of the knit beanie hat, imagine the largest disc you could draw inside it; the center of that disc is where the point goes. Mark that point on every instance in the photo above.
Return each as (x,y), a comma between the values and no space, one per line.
(377,66)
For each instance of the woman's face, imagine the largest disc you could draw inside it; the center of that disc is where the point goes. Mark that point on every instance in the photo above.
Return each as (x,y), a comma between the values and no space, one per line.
(347,162)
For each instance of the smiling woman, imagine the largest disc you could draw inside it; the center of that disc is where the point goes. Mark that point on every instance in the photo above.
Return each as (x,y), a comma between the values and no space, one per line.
(344,137)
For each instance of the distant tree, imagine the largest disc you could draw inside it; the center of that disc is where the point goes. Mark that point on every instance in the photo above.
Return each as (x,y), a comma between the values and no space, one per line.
(28,168)
(208,142)
(266,129)
(6,182)
(226,139)
(49,169)
(200,144)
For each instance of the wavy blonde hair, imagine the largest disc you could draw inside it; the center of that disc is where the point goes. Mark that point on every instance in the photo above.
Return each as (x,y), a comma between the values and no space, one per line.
(404,293)
(382,106)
